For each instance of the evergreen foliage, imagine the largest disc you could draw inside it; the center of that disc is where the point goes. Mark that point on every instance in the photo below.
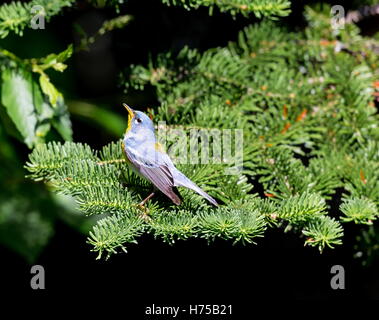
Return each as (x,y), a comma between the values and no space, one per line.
(15,16)
(305,103)
(260,8)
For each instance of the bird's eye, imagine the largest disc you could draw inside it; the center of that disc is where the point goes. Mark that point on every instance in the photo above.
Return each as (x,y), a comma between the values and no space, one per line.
(139,120)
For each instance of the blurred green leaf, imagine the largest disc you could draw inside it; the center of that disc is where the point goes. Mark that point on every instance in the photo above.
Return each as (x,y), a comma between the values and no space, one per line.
(17,98)
(49,89)
(44,112)
(61,122)
(108,120)
(55,61)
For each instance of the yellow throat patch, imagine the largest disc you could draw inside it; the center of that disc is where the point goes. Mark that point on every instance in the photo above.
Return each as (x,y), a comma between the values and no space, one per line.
(130,116)
(129,123)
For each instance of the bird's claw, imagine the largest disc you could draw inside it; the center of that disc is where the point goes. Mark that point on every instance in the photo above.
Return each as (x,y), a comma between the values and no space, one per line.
(145,212)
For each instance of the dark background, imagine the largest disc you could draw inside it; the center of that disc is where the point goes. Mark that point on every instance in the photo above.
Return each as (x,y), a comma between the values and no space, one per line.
(278,268)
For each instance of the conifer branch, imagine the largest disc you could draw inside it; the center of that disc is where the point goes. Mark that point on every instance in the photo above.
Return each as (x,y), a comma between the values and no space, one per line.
(359,210)
(258,7)
(309,128)
(16,16)
(323,232)
(111,233)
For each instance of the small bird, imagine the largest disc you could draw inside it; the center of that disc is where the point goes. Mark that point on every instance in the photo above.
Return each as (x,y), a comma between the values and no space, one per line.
(147,158)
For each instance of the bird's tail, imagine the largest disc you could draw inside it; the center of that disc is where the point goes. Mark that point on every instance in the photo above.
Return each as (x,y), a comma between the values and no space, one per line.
(182,181)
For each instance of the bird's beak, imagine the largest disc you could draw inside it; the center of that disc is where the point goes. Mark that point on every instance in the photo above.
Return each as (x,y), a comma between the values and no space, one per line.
(130,110)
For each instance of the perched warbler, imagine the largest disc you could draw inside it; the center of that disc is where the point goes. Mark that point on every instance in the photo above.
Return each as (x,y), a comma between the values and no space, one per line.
(147,158)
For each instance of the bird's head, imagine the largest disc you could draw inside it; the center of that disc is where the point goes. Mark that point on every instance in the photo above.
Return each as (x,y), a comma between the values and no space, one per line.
(138,122)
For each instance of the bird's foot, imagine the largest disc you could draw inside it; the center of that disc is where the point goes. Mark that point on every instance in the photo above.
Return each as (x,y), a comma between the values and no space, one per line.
(145,212)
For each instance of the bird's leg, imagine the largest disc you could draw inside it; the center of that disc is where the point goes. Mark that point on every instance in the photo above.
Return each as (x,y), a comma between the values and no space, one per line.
(142,203)
(142,206)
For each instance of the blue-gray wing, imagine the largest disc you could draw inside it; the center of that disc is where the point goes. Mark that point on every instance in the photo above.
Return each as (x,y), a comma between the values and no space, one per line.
(153,165)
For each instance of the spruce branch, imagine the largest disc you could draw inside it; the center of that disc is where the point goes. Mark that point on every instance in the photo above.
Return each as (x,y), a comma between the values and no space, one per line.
(359,210)
(108,25)
(16,16)
(46,159)
(85,173)
(323,232)
(235,224)
(304,102)
(111,233)
(362,180)
(112,154)
(261,8)
(174,225)
(300,208)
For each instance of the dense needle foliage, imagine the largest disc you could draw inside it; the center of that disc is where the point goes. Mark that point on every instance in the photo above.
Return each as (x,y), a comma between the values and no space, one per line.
(303,100)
